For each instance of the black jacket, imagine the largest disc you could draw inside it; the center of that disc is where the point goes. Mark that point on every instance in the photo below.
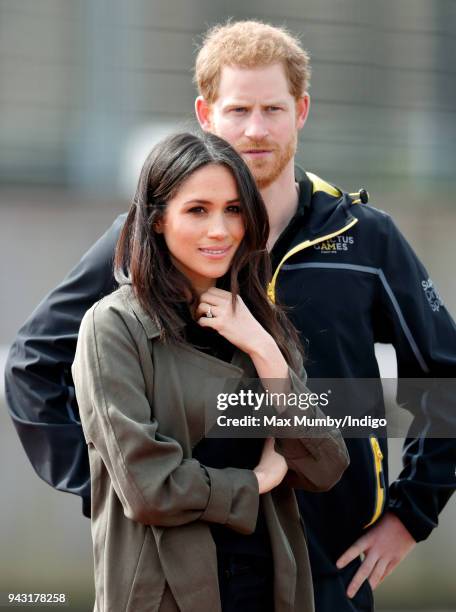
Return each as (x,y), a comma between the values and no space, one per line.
(355,281)
(351,280)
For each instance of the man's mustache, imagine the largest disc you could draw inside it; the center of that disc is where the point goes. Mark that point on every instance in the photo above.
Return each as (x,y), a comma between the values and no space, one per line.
(257,145)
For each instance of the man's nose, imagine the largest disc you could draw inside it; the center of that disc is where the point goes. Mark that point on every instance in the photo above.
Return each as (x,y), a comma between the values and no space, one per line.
(256,127)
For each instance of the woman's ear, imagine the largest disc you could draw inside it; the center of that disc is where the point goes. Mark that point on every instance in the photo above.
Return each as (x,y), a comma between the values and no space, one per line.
(157,226)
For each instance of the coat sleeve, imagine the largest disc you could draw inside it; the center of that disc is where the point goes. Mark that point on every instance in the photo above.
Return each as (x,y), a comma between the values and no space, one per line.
(413,318)
(153,480)
(38,383)
(316,462)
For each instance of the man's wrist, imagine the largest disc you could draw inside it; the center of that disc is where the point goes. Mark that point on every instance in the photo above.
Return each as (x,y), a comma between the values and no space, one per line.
(418,529)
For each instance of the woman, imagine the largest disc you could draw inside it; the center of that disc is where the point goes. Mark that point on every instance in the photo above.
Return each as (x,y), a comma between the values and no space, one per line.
(179,521)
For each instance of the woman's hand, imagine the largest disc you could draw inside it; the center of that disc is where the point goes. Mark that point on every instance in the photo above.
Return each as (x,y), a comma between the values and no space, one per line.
(238,326)
(271,469)
(242,329)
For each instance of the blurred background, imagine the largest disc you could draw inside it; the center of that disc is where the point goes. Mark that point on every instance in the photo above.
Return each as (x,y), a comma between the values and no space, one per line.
(87,87)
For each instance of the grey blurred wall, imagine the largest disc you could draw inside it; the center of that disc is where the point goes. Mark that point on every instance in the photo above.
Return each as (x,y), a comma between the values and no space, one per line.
(80,79)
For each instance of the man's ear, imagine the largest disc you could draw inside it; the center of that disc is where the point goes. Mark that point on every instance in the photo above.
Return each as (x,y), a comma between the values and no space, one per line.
(302,110)
(203,113)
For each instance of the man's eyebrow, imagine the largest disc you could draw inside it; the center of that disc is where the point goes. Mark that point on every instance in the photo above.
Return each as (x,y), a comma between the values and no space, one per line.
(271,102)
(274,102)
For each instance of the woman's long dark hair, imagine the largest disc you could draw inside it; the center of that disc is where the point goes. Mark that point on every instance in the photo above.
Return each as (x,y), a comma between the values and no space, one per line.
(143,259)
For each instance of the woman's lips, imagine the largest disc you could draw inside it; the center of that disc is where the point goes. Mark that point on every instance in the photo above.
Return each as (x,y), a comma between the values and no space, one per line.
(214,252)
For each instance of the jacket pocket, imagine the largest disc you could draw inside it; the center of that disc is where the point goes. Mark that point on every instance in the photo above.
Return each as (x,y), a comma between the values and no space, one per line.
(379,481)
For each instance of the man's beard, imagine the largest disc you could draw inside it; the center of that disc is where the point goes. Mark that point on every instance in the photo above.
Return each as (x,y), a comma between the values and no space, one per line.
(266,171)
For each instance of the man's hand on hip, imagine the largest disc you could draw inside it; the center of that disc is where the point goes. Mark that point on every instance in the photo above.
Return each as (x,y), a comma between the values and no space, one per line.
(384,546)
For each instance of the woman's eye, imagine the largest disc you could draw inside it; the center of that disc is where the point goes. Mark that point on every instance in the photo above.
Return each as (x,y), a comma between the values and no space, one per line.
(196,210)
(234,209)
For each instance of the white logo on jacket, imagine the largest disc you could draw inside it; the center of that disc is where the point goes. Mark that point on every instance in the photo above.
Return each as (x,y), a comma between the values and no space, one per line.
(333,245)
(432,295)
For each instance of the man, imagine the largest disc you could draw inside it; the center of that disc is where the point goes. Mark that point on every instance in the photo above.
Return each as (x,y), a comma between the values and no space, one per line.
(253,80)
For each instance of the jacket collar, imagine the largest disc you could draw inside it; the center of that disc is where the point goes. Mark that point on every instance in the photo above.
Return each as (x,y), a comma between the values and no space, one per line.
(150,326)
(240,363)
(329,209)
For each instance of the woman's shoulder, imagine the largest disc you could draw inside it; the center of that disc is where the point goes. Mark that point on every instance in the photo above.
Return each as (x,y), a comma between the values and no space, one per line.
(121,309)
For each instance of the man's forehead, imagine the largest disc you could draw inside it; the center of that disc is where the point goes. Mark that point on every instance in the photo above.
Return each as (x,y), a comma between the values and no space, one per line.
(265,84)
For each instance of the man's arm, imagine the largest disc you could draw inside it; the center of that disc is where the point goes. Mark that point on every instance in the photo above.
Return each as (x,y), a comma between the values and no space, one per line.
(424,337)
(38,382)
(412,317)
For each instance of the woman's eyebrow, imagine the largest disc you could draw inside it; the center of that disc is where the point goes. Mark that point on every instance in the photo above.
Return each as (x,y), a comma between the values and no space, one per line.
(199,201)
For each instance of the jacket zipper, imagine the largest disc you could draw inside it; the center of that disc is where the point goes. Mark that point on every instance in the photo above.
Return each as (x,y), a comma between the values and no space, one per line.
(300,247)
(379,480)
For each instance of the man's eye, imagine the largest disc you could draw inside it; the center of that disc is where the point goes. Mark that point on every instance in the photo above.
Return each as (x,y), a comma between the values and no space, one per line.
(274,108)
(239,110)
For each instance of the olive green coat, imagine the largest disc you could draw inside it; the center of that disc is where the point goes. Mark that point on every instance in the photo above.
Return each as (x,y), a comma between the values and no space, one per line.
(152,503)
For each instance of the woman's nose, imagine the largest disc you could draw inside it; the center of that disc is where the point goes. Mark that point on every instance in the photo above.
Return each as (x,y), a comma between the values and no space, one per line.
(217,227)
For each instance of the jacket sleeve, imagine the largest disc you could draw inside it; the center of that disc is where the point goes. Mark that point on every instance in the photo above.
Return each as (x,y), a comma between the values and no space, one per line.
(316,462)
(414,319)
(153,480)
(39,388)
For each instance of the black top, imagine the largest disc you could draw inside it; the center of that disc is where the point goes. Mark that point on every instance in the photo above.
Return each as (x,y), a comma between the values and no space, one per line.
(221,453)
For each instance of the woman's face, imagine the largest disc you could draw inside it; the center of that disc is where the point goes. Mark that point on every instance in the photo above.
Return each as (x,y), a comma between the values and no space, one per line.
(203,225)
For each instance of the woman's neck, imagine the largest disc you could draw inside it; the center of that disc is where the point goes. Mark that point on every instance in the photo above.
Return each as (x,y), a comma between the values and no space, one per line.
(201,287)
